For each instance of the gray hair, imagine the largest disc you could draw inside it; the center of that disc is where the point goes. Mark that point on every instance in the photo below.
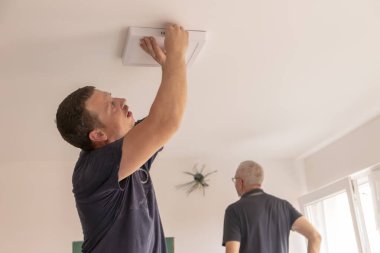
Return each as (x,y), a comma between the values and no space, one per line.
(251,173)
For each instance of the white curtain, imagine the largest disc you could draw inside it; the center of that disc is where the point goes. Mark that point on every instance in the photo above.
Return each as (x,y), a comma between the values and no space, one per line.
(374,181)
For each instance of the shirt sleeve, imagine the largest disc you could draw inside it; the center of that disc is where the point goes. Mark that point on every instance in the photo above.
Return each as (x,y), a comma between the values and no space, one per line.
(97,170)
(293,214)
(231,230)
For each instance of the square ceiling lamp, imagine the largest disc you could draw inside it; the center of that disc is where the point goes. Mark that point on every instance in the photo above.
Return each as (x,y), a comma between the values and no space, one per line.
(134,55)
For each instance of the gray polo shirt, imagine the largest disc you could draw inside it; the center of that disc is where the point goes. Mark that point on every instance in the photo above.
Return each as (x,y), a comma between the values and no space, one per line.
(260,222)
(116,217)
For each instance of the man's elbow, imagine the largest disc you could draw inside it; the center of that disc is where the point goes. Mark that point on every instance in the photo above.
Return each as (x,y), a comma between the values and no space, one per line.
(315,237)
(167,122)
(168,126)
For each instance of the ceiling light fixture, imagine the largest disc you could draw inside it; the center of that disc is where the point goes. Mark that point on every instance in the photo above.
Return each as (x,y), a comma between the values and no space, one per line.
(135,56)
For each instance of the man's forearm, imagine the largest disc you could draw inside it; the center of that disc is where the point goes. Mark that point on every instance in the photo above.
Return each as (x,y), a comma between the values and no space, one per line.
(304,227)
(169,105)
(171,97)
(314,245)
(232,247)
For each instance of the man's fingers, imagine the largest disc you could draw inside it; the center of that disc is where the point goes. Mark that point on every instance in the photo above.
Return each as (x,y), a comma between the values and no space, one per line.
(151,47)
(176,27)
(148,42)
(146,45)
(157,50)
(171,27)
(143,46)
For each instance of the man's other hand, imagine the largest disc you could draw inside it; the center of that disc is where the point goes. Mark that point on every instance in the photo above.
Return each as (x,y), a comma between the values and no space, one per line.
(150,46)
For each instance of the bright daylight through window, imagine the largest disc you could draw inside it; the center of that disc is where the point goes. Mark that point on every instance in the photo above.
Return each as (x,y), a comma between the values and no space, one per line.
(347,213)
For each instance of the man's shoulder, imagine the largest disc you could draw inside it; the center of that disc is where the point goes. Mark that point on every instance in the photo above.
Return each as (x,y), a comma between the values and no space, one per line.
(281,203)
(274,198)
(101,153)
(261,197)
(109,147)
(235,205)
(95,166)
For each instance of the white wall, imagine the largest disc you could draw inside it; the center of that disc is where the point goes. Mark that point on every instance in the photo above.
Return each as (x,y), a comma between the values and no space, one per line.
(38,211)
(357,150)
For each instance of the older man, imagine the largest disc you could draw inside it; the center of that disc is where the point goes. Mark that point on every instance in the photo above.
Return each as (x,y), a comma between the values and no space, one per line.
(260,222)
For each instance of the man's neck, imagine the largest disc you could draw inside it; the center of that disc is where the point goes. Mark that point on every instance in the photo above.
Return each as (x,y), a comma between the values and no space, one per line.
(251,188)
(99,144)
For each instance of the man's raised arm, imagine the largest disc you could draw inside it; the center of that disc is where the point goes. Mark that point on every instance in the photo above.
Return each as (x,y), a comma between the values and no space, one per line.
(167,110)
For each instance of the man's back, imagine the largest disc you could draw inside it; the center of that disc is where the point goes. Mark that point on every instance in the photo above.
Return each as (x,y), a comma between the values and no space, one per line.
(260,222)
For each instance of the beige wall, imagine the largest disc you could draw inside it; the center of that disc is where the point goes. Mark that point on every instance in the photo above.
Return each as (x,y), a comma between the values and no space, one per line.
(357,150)
(38,212)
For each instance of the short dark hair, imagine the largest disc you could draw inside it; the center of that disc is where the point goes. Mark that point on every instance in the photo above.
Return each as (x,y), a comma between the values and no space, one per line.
(74,122)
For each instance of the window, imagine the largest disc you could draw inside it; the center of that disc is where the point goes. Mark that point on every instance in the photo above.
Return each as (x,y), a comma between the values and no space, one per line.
(366,207)
(345,214)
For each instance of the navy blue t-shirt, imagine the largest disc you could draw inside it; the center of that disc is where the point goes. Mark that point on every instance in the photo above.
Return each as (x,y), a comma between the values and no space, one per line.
(116,217)
(260,222)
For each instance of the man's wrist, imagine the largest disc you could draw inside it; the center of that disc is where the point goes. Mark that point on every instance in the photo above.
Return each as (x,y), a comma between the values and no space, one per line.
(176,56)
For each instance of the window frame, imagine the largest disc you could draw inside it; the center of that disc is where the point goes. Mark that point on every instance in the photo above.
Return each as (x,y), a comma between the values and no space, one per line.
(340,186)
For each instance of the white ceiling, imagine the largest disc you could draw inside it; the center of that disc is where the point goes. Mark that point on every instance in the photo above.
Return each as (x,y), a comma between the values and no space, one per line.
(275,78)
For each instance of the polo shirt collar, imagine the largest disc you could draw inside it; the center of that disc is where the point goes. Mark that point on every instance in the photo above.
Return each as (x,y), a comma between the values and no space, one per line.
(257,190)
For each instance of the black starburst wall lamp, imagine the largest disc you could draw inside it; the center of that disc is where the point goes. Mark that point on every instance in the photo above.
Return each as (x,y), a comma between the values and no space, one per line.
(199,179)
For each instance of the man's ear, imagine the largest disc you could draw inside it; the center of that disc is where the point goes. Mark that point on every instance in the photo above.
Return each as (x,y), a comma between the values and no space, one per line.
(97,135)
(241,186)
